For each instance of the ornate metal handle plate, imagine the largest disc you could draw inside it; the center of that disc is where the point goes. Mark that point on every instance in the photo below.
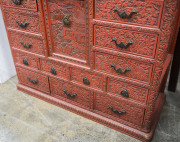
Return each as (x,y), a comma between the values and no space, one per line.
(66,20)
(25,62)
(86,81)
(53,71)
(119,70)
(121,44)
(69,95)
(124,15)
(25,45)
(17,2)
(32,81)
(125,93)
(116,111)
(21,24)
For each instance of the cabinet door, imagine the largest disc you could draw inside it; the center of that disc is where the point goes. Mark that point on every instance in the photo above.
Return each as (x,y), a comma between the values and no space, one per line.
(67,27)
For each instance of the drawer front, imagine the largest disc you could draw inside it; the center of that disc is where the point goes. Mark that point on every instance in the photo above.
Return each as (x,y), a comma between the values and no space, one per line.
(26,60)
(139,12)
(70,93)
(21,4)
(33,80)
(127,91)
(28,42)
(119,66)
(87,78)
(56,69)
(126,41)
(114,108)
(23,22)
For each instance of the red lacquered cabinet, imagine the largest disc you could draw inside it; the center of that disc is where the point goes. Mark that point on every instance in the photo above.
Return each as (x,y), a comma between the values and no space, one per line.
(106,60)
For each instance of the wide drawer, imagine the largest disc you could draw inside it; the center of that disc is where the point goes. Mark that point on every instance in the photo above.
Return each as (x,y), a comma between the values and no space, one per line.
(139,12)
(112,107)
(57,69)
(127,91)
(29,23)
(125,67)
(28,42)
(33,80)
(70,93)
(87,78)
(21,4)
(26,60)
(125,40)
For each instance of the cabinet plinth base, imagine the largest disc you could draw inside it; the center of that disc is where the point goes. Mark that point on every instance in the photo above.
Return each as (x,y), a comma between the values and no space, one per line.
(98,118)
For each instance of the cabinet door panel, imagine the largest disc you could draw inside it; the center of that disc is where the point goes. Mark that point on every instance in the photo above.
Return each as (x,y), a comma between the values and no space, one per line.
(67,25)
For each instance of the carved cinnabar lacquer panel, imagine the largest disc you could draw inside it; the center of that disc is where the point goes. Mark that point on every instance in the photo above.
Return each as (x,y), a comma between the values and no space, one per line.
(106,60)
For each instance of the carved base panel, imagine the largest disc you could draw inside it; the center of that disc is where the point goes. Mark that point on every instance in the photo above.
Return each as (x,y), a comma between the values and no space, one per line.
(146,137)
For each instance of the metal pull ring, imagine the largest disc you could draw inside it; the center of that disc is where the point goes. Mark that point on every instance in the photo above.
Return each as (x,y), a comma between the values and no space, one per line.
(32,81)
(125,93)
(116,111)
(69,95)
(25,62)
(21,24)
(119,70)
(124,15)
(66,20)
(25,45)
(17,2)
(121,44)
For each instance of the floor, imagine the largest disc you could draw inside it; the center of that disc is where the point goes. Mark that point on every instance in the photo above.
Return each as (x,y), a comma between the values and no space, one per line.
(24,118)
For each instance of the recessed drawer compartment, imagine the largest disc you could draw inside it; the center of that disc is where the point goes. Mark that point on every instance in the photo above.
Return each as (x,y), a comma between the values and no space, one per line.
(112,107)
(26,60)
(125,41)
(125,67)
(127,91)
(87,78)
(139,12)
(33,80)
(70,93)
(21,4)
(28,42)
(29,23)
(54,68)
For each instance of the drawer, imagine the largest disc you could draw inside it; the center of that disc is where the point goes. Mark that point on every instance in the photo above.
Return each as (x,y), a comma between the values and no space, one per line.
(113,108)
(33,80)
(87,78)
(29,23)
(54,68)
(70,93)
(125,41)
(128,91)
(26,60)
(139,12)
(21,4)
(125,67)
(28,42)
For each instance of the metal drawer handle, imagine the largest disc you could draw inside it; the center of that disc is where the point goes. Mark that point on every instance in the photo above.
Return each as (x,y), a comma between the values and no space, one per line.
(125,93)
(25,45)
(25,62)
(32,81)
(69,95)
(21,24)
(124,15)
(17,2)
(86,81)
(116,111)
(119,70)
(53,71)
(121,44)
(66,20)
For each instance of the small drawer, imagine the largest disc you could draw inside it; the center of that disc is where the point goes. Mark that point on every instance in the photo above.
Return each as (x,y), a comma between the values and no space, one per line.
(21,4)
(33,80)
(70,93)
(128,91)
(125,41)
(87,78)
(54,68)
(138,12)
(23,22)
(113,108)
(125,67)
(28,42)
(26,60)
